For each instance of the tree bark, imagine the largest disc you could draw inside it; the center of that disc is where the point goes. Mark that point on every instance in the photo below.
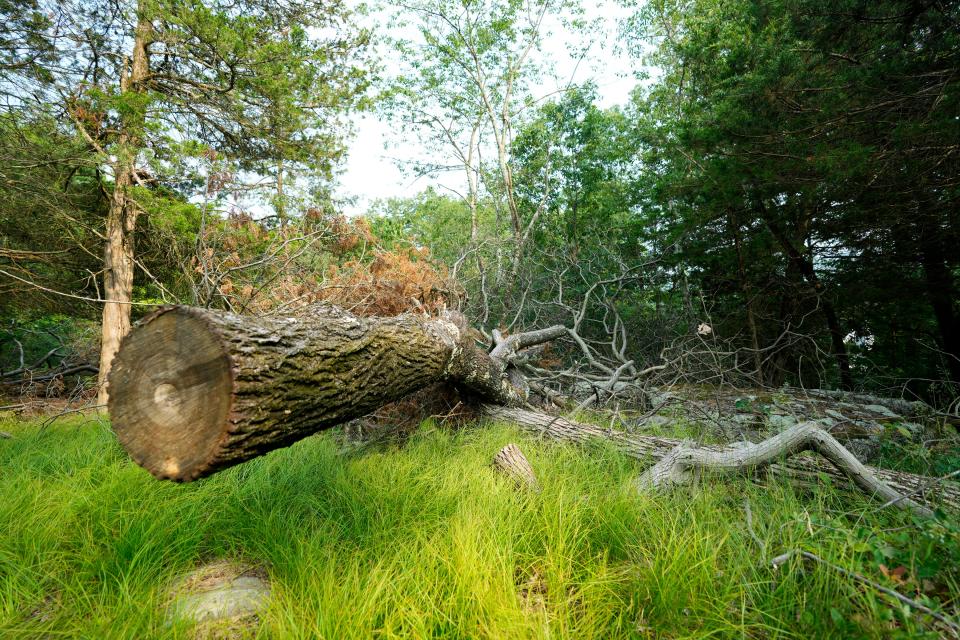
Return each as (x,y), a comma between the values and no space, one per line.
(734,225)
(511,462)
(118,265)
(118,253)
(193,391)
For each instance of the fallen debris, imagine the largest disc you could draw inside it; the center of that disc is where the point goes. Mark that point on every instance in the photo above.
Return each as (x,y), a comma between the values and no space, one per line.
(511,462)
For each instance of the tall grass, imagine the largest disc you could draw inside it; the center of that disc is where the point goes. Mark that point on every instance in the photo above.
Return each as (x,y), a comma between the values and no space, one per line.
(425,541)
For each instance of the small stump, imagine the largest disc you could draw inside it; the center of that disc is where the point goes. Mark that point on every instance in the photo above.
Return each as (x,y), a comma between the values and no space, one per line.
(511,462)
(222,599)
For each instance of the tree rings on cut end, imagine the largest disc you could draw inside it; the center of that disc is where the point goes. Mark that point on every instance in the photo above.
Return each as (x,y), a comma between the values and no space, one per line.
(170,393)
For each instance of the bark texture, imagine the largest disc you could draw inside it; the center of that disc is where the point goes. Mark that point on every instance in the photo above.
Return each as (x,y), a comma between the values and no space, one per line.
(193,391)
(511,462)
(118,264)
(118,251)
(807,469)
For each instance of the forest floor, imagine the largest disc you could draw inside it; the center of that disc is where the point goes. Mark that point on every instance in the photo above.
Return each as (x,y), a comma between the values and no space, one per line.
(424,540)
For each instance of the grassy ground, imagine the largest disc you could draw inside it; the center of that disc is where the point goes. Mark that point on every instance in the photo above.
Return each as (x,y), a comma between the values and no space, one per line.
(425,541)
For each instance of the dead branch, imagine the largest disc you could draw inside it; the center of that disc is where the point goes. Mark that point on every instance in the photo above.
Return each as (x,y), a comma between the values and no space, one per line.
(646,448)
(682,465)
(910,602)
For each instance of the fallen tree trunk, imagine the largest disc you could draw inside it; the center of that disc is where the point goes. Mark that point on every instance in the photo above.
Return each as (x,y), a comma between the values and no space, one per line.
(193,391)
(653,448)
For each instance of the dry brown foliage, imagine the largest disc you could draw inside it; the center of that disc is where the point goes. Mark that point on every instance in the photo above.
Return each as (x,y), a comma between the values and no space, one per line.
(392,283)
(319,258)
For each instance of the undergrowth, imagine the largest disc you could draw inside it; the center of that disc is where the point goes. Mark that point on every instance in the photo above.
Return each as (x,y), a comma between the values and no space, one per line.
(425,541)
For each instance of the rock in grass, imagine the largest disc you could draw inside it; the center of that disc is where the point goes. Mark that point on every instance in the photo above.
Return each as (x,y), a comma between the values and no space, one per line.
(221,598)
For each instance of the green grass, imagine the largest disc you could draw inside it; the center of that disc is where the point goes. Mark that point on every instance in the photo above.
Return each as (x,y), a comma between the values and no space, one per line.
(425,541)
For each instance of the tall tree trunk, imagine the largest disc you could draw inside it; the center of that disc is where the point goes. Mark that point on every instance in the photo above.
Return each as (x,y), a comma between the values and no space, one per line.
(473,198)
(838,345)
(118,254)
(281,207)
(747,297)
(118,265)
(778,363)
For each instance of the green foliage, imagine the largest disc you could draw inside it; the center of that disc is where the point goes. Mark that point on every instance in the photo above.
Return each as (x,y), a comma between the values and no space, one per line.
(425,541)
(583,155)
(160,105)
(63,336)
(50,215)
(936,456)
(438,222)
(795,159)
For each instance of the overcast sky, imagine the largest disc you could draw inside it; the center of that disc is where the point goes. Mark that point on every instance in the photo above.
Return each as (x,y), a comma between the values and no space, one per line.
(377,150)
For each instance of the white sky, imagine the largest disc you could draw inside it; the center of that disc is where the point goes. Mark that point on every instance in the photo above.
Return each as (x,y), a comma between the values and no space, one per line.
(376,152)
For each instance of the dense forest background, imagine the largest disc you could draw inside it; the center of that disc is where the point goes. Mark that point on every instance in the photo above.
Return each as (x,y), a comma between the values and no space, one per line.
(777,205)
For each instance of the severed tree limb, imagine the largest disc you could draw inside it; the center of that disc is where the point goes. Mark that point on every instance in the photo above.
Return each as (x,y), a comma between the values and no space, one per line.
(645,448)
(511,462)
(54,373)
(505,348)
(683,464)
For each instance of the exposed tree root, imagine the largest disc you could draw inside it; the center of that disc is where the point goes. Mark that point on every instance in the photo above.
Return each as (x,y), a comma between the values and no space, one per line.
(808,469)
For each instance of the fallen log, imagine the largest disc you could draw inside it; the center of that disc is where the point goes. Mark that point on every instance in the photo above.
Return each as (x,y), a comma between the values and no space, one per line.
(53,374)
(193,391)
(685,462)
(653,449)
